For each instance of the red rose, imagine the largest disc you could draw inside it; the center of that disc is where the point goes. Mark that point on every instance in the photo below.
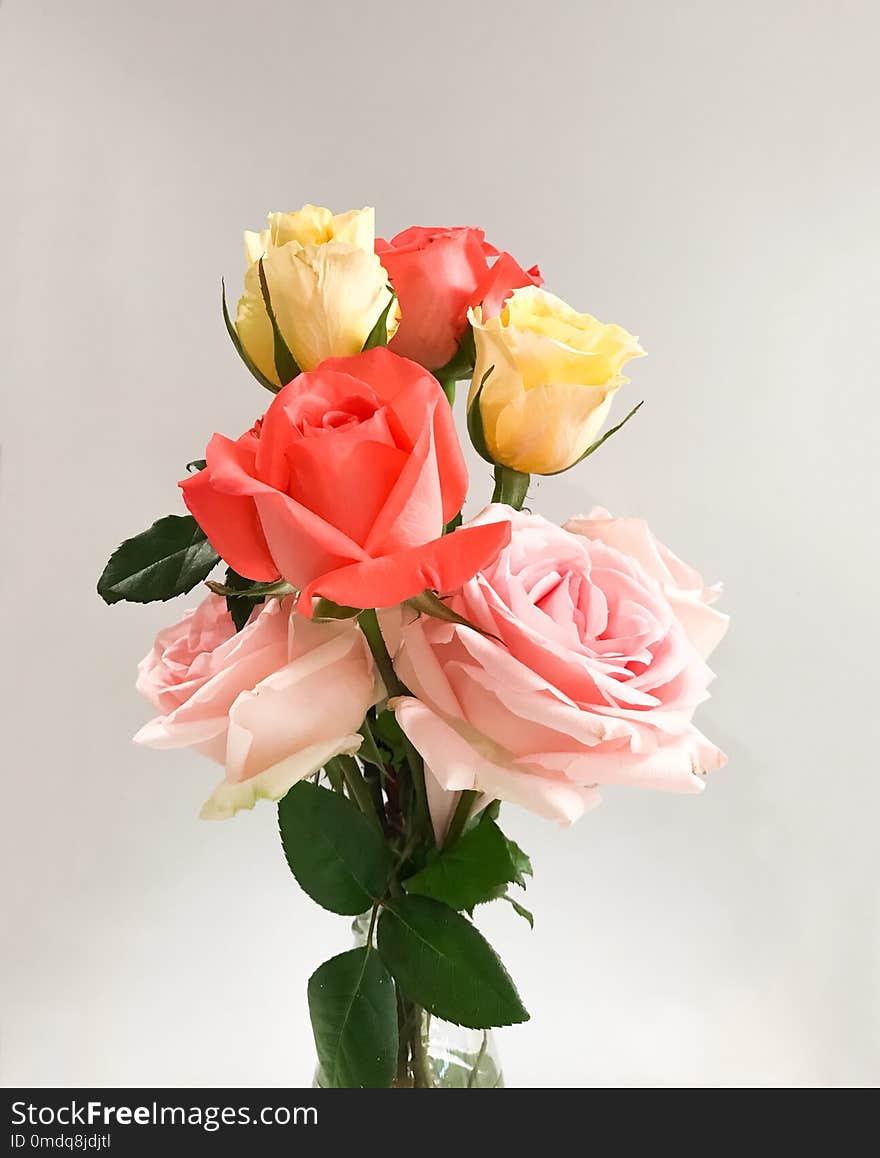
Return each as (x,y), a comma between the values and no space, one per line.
(344,487)
(437,274)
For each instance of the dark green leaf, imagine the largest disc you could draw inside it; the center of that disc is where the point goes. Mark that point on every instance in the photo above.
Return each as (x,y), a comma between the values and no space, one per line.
(470,872)
(378,336)
(491,812)
(285,363)
(389,736)
(168,559)
(196,465)
(595,445)
(354,1020)
(522,866)
(440,961)
(475,422)
(338,857)
(521,910)
(241,606)
(239,348)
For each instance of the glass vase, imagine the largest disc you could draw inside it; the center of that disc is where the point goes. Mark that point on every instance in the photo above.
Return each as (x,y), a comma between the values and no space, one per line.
(434,1054)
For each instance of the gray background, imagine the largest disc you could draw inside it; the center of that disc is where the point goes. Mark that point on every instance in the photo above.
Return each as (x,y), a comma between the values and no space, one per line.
(704,173)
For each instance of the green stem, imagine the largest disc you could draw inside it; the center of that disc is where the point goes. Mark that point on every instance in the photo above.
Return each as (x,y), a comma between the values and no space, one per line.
(475,1071)
(460,817)
(373,916)
(370,627)
(422,1079)
(511,486)
(357,787)
(421,811)
(374,786)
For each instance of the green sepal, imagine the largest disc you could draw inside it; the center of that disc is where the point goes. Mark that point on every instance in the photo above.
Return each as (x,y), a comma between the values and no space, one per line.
(239,347)
(430,603)
(285,364)
(378,336)
(593,447)
(327,609)
(475,422)
(279,588)
(461,364)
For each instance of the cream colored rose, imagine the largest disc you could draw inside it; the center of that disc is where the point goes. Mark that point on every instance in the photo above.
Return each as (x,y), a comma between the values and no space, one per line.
(326,286)
(554,375)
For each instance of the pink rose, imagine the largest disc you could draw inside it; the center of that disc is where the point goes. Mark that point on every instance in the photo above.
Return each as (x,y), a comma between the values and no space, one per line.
(590,679)
(437,274)
(691,599)
(257,700)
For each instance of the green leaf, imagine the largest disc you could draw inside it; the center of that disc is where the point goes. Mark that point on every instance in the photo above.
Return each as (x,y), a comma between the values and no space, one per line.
(195,466)
(522,866)
(470,871)
(285,363)
(475,422)
(168,559)
(378,336)
(441,962)
(241,606)
(338,857)
(593,447)
(521,910)
(389,735)
(239,348)
(354,1019)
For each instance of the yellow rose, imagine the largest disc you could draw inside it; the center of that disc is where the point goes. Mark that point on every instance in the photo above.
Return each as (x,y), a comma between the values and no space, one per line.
(555,374)
(326,286)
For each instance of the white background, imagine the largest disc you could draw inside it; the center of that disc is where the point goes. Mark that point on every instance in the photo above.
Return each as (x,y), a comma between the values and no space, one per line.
(705,174)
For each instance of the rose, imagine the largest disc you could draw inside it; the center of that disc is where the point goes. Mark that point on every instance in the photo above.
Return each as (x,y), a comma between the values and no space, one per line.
(345,487)
(437,273)
(683,586)
(257,699)
(548,378)
(584,676)
(326,286)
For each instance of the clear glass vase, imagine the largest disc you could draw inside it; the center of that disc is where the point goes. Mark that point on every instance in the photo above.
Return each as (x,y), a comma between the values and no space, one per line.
(434,1054)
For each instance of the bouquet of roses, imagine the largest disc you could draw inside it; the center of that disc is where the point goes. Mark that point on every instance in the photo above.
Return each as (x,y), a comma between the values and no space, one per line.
(387,672)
